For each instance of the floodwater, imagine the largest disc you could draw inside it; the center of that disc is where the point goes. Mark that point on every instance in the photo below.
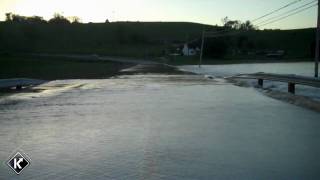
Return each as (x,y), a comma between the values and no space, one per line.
(157,127)
(298,68)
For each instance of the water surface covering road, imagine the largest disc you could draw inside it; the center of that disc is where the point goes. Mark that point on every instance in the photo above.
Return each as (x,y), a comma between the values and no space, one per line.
(298,68)
(158,127)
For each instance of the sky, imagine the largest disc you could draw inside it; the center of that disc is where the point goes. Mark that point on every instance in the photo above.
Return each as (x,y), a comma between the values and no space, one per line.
(200,11)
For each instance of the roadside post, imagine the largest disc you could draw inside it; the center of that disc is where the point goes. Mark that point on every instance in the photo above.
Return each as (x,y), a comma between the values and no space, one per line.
(202,46)
(317,56)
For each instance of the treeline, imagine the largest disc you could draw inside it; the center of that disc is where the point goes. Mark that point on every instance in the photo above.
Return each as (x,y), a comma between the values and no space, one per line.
(219,47)
(57,19)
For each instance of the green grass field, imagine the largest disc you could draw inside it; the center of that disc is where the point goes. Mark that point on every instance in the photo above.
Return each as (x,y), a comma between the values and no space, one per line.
(56,68)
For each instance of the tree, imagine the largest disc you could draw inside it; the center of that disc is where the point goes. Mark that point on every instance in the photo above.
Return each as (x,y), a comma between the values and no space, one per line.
(229,24)
(74,19)
(237,25)
(9,16)
(247,26)
(35,20)
(59,19)
(225,20)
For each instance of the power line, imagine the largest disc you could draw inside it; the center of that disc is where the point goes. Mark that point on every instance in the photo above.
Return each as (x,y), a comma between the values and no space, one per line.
(277,10)
(212,34)
(279,19)
(287,12)
(275,19)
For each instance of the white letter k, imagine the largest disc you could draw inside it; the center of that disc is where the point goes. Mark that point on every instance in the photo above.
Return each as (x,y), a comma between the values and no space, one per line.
(15,163)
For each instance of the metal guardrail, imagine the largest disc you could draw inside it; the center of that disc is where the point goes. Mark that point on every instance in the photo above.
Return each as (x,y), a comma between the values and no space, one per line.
(292,80)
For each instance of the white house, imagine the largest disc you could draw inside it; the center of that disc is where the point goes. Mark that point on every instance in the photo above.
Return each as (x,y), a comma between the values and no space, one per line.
(188,51)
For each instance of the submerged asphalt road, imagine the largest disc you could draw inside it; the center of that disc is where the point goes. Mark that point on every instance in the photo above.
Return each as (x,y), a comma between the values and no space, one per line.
(157,127)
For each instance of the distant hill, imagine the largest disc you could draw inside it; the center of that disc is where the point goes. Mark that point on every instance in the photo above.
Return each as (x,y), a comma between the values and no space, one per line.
(141,38)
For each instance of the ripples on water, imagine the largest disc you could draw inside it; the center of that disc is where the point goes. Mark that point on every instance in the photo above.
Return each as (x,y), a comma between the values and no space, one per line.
(158,127)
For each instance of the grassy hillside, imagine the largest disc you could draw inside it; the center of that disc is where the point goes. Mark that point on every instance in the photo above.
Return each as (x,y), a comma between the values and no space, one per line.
(121,38)
(56,68)
(141,39)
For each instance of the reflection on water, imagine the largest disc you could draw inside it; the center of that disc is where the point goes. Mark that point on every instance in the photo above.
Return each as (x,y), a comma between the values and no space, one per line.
(158,127)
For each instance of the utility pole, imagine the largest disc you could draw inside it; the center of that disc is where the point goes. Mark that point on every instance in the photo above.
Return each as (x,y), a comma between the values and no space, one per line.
(316,72)
(202,46)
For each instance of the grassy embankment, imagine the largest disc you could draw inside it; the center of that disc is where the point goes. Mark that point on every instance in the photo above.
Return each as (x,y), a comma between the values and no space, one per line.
(56,68)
